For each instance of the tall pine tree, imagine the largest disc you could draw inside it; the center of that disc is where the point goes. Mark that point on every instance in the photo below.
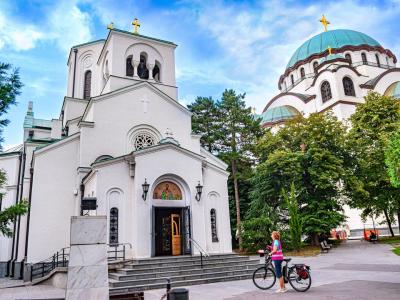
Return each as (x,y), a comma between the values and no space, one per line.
(240,131)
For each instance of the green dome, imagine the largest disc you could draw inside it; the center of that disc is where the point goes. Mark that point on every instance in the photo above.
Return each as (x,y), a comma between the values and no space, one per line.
(279,113)
(393,90)
(333,38)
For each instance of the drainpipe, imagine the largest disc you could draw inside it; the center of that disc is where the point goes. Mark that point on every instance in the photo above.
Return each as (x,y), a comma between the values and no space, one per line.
(1,200)
(15,219)
(19,217)
(82,188)
(23,262)
(73,79)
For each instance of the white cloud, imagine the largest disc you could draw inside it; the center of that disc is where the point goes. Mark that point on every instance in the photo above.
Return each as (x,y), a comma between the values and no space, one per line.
(66,25)
(17,35)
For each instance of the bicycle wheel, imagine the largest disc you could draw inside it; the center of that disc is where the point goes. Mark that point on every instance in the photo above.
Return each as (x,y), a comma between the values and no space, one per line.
(300,283)
(264,278)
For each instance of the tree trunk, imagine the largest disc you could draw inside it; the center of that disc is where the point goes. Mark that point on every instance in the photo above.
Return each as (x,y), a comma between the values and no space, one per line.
(398,219)
(237,202)
(388,221)
(314,239)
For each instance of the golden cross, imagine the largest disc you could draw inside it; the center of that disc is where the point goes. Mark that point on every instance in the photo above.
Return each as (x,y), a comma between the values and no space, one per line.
(324,22)
(330,50)
(135,24)
(110,26)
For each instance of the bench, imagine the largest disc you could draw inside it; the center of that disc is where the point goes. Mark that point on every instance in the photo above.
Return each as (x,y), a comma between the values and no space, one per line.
(324,248)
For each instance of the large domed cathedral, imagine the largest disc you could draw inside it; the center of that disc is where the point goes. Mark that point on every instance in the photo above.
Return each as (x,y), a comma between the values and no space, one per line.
(333,70)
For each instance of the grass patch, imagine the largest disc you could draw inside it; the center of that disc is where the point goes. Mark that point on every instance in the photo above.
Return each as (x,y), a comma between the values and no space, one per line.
(389,239)
(305,251)
(396,251)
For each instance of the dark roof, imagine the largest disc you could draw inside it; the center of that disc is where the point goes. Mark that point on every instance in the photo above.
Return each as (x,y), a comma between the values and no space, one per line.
(144,36)
(88,43)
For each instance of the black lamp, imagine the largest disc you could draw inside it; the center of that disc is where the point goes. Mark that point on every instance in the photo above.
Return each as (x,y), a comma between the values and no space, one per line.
(199,189)
(145,187)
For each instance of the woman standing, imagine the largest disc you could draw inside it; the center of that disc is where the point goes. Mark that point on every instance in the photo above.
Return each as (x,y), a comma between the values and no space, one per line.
(277,258)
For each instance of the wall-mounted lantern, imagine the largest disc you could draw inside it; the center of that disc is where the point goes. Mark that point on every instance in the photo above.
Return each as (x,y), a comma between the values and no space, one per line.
(199,189)
(145,187)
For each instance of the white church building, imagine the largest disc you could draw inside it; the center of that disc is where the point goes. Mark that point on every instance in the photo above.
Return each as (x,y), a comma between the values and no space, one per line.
(333,71)
(122,146)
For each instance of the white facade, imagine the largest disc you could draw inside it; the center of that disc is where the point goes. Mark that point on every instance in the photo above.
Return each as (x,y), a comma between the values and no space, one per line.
(368,66)
(119,127)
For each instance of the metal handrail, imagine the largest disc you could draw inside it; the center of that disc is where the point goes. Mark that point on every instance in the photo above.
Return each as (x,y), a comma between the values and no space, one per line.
(115,250)
(44,267)
(201,250)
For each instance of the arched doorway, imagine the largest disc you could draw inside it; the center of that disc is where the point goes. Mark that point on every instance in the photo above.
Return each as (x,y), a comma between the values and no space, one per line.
(171,218)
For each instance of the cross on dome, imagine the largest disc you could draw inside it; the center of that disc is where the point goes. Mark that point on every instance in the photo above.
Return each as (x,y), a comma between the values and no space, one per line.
(136,25)
(324,22)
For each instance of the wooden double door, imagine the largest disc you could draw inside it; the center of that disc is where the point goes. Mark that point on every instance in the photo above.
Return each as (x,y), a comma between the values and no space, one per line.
(171,231)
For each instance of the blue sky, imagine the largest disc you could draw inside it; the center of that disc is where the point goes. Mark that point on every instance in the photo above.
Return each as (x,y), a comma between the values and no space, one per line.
(244,45)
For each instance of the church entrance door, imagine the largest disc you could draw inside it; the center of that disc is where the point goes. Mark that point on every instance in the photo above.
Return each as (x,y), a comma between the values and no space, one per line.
(170,231)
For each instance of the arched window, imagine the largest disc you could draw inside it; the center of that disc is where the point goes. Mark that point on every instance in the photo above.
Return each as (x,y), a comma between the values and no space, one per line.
(292,79)
(114,225)
(156,73)
(326,93)
(348,57)
(213,219)
(348,87)
(302,73)
(364,58)
(87,84)
(377,60)
(142,70)
(315,65)
(129,67)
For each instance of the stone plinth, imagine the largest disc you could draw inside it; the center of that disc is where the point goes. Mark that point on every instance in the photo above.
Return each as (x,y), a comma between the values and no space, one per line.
(87,267)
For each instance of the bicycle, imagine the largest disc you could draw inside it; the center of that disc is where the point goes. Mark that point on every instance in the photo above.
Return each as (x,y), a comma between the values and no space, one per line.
(298,275)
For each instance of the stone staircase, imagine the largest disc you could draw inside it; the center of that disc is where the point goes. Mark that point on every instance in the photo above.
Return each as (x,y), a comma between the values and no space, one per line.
(147,274)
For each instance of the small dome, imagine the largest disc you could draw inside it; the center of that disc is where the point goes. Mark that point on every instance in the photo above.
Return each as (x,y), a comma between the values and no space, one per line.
(279,113)
(333,38)
(393,90)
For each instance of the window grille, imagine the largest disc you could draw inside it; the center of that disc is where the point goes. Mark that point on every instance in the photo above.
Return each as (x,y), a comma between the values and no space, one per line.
(143,140)
(87,85)
(114,225)
(213,218)
(326,92)
(348,87)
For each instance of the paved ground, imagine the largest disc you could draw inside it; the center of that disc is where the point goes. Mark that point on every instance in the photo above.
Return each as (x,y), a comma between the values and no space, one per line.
(355,270)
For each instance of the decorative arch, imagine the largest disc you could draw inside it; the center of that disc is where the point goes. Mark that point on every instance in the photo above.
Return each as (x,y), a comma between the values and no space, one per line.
(315,66)
(114,206)
(348,57)
(348,86)
(157,71)
(102,158)
(326,92)
(364,58)
(179,182)
(142,136)
(377,60)
(129,66)
(214,229)
(167,190)
(87,84)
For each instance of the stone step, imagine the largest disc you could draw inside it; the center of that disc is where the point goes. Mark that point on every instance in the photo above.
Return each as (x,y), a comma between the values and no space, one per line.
(193,261)
(149,281)
(138,288)
(180,272)
(182,257)
(138,269)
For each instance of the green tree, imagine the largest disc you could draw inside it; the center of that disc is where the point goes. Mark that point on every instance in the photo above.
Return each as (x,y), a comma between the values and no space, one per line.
(392,159)
(205,121)
(311,154)
(295,221)
(8,215)
(257,232)
(10,88)
(239,131)
(369,187)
